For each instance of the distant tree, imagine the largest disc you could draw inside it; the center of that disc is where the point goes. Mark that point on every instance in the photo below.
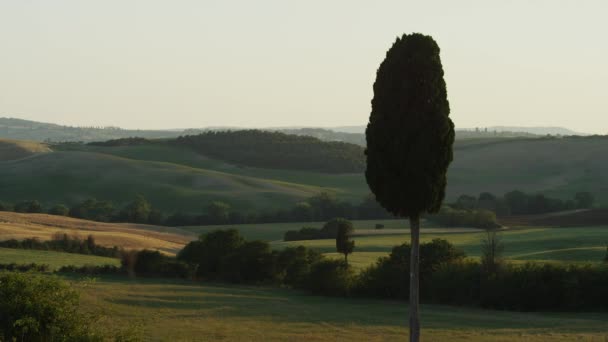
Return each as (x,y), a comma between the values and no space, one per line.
(303,211)
(218,212)
(208,251)
(409,141)
(137,211)
(517,202)
(584,200)
(60,210)
(155,217)
(5,207)
(28,207)
(606,256)
(466,202)
(344,243)
(492,249)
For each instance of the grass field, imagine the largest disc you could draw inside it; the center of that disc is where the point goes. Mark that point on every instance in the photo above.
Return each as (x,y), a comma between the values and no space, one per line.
(177,179)
(568,245)
(54,259)
(157,310)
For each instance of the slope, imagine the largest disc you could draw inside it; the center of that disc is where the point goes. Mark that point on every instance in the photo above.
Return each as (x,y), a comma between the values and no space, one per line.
(126,235)
(70,176)
(17,149)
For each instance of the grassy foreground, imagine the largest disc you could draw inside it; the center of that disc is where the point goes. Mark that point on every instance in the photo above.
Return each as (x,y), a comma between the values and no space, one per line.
(179,311)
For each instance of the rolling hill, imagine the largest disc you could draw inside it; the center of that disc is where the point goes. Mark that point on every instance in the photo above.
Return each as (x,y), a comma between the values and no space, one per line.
(178,178)
(126,235)
(18,149)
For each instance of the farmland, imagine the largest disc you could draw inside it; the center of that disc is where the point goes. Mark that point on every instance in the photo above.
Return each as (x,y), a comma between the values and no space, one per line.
(166,310)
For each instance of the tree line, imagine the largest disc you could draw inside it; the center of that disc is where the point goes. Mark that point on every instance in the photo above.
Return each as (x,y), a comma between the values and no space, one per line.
(446,274)
(321,207)
(275,150)
(61,242)
(517,202)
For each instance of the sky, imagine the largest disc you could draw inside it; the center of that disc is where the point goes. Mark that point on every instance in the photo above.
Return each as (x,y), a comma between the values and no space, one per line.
(179,64)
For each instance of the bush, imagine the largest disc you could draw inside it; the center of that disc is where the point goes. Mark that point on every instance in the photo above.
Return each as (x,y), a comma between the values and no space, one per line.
(28,207)
(294,264)
(476,218)
(251,262)
(60,210)
(331,278)
(40,308)
(207,252)
(389,277)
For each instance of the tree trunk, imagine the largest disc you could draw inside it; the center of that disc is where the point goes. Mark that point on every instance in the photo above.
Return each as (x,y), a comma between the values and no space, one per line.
(414,281)
(346,258)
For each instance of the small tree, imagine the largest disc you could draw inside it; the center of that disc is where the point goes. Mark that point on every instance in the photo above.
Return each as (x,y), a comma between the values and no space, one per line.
(344,244)
(218,212)
(137,211)
(492,249)
(409,141)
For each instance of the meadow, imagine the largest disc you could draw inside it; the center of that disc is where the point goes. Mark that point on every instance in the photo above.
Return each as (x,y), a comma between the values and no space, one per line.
(176,178)
(54,260)
(158,310)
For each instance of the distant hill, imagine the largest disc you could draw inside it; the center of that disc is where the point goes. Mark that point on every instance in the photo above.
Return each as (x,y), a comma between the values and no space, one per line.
(536,130)
(11,128)
(179,178)
(17,149)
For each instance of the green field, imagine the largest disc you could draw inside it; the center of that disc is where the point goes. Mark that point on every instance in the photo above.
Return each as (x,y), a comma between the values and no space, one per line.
(181,311)
(177,179)
(54,259)
(567,245)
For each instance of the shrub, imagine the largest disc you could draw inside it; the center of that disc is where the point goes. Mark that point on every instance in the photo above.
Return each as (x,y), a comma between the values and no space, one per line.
(251,262)
(331,278)
(294,264)
(28,207)
(40,308)
(60,210)
(207,252)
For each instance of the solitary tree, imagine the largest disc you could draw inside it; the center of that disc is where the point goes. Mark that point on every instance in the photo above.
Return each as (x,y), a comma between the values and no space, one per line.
(409,141)
(344,243)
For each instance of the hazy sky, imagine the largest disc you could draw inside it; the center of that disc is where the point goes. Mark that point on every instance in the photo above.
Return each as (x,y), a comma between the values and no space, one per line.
(168,64)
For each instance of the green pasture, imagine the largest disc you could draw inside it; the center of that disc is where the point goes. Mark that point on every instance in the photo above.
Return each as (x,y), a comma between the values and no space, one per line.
(565,245)
(182,311)
(54,259)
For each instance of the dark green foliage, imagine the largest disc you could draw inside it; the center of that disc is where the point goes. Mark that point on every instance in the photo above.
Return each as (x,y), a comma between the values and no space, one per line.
(492,249)
(60,210)
(476,218)
(379,226)
(344,243)
(40,308)
(218,212)
(28,207)
(389,276)
(5,207)
(331,278)
(64,243)
(409,134)
(93,209)
(93,270)
(208,251)
(251,262)
(137,211)
(149,263)
(132,141)
(276,150)
(329,231)
(584,200)
(294,264)
(24,267)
